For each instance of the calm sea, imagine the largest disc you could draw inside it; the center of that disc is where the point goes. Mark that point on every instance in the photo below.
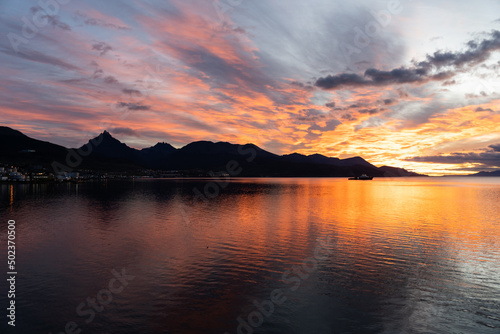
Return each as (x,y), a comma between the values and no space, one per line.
(405,255)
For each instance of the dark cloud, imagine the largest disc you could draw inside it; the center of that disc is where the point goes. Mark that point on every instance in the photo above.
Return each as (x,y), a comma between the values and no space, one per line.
(330,105)
(477,53)
(389,102)
(369,111)
(102,47)
(97,73)
(490,157)
(110,80)
(482,109)
(343,79)
(449,82)
(374,77)
(311,115)
(349,117)
(53,20)
(493,67)
(90,21)
(41,58)
(303,86)
(329,126)
(437,67)
(125,131)
(402,93)
(74,81)
(133,106)
(475,96)
(132,92)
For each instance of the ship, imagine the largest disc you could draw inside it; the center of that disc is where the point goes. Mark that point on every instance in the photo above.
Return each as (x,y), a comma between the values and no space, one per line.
(362,177)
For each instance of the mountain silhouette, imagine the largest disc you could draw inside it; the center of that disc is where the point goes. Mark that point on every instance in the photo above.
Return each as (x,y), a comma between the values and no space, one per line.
(396,172)
(155,156)
(108,147)
(19,149)
(494,173)
(314,158)
(106,153)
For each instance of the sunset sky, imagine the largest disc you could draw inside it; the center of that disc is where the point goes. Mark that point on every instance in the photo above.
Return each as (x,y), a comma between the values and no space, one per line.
(411,84)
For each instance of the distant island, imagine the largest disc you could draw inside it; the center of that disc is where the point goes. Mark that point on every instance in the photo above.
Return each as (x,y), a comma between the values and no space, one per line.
(494,173)
(105,154)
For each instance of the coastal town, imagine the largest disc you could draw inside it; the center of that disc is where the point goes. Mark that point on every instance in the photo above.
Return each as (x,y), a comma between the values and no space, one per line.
(39,174)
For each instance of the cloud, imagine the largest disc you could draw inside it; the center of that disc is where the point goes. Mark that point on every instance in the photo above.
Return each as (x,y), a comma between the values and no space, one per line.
(99,22)
(370,111)
(329,125)
(349,117)
(312,115)
(375,77)
(389,102)
(477,53)
(372,122)
(110,80)
(132,92)
(249,81)
(303,86)
(475,96)
(125,131)
(102,47)
(53,20)
(97,73)
(437,67)
(490,157)
(133,106)
(403,93)
(343,79)
(449,82)
(41,58)
(482,109)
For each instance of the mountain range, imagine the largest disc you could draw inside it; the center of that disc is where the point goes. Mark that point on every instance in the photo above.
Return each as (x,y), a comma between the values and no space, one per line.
(106,153)
(494,173)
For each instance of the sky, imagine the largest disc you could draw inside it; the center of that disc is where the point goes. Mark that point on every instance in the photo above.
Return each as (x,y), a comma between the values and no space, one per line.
(412,84)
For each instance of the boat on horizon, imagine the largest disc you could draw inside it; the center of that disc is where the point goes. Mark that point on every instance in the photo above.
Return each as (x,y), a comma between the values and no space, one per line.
(362,177)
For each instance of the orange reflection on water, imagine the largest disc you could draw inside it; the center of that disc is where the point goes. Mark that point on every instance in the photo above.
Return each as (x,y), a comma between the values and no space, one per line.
(11,197)
(400,241)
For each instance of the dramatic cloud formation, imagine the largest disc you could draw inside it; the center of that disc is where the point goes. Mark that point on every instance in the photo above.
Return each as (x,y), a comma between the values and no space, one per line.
(429,70)
(489,158)
(274,73)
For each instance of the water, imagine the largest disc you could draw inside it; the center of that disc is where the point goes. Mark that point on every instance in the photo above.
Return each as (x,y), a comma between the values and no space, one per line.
(408,255)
